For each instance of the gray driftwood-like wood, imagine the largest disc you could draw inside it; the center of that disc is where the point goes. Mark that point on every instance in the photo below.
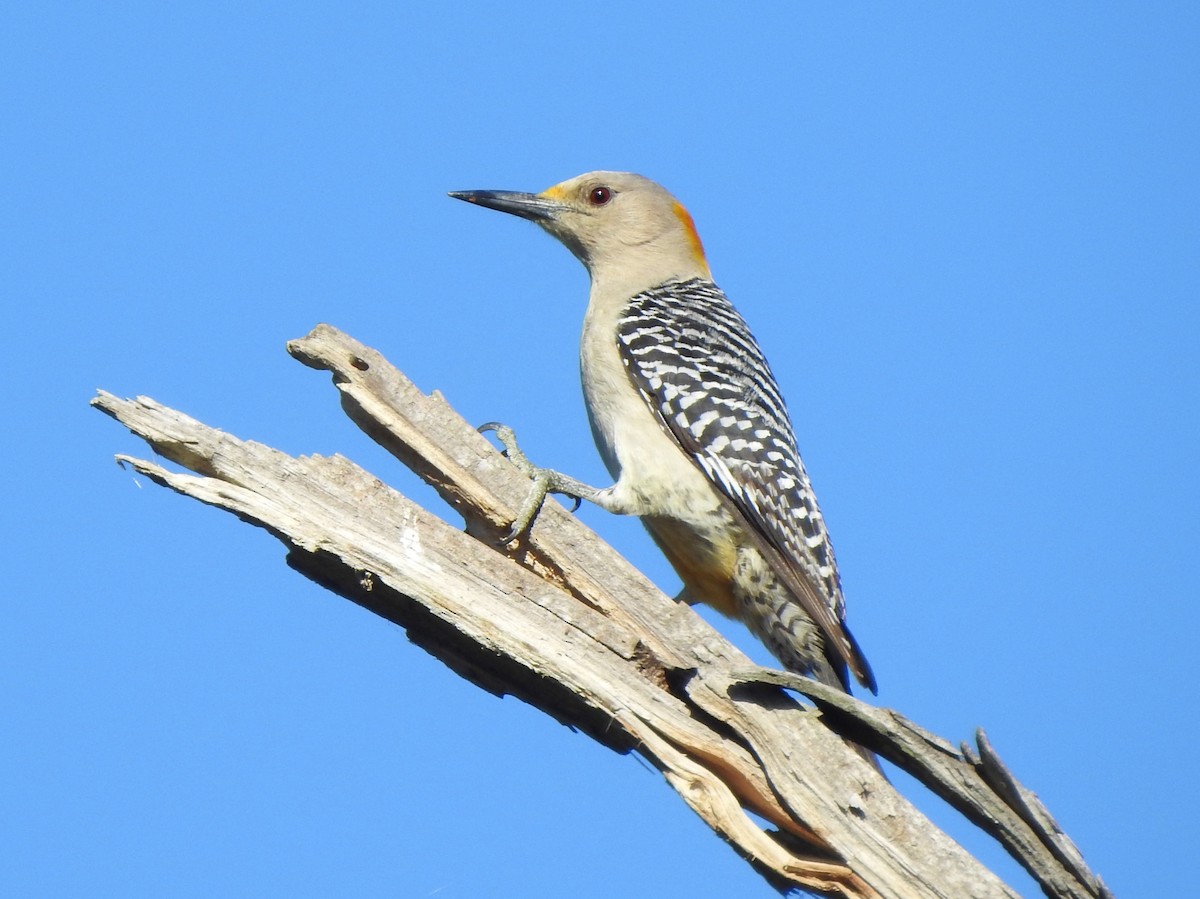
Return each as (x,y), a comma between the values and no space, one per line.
(561,621)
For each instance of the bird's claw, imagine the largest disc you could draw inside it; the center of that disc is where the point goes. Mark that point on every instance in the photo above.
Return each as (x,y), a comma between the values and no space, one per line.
(508,440)
(545,481)
(541,480)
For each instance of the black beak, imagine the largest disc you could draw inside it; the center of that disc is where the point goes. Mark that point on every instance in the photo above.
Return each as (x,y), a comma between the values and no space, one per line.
(528,206)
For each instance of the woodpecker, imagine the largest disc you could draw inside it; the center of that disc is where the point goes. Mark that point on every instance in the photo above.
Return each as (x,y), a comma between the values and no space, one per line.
(690,422)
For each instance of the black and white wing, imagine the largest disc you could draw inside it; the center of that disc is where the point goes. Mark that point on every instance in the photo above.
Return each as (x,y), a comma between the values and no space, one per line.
(693,359)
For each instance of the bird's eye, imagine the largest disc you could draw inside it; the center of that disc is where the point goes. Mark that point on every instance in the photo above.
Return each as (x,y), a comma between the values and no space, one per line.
(599,196)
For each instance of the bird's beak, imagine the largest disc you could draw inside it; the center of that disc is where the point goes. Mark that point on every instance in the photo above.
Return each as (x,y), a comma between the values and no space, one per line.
(535,207)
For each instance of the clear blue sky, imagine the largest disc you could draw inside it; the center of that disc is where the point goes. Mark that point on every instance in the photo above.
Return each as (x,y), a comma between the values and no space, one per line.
(967,235)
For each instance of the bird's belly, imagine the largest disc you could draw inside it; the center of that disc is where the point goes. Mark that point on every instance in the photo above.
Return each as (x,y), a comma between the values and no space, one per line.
(704,554)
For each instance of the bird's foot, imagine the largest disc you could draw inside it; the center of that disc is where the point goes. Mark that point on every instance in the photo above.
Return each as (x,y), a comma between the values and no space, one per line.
(545,481)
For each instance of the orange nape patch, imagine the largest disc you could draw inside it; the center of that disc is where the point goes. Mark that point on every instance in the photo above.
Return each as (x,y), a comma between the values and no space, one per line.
(693,236)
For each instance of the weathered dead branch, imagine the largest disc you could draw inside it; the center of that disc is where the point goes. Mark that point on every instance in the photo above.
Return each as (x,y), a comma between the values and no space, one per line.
(562,621)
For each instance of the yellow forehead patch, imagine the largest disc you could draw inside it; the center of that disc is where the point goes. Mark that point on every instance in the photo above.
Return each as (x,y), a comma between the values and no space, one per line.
(693,236)
(557,192)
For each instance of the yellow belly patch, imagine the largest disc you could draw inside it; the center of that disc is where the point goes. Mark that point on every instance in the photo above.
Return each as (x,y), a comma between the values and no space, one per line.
(705,566)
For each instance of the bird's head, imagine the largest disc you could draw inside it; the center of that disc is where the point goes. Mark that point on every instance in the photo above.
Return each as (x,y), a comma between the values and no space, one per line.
(622,226)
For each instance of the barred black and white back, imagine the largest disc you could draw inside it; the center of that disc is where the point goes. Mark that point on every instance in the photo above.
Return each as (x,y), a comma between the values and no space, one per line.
(696,364)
